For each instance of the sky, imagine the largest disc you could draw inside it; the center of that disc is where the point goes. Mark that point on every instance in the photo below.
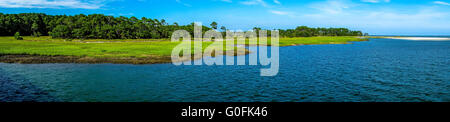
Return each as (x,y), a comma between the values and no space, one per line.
(377,17)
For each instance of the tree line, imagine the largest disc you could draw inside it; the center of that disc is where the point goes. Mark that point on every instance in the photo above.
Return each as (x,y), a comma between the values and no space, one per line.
(99,26)
(304,31)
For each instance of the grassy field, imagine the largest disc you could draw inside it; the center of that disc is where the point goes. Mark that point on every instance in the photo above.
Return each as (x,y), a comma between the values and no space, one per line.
(318,40)
(137,51)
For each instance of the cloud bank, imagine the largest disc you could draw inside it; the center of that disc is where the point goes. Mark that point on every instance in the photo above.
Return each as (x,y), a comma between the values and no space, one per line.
(76,4)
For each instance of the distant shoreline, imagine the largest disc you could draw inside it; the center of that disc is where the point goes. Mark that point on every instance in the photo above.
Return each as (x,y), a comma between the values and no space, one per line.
(421,38)
(416,38)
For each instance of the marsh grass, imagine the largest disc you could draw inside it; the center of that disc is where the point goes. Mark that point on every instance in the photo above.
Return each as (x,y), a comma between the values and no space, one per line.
(129,48)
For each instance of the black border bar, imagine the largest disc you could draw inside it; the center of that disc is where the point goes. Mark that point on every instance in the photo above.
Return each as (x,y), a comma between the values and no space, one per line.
(172,111)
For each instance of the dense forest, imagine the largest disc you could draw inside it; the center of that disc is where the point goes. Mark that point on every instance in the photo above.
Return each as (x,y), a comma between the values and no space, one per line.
(99,26)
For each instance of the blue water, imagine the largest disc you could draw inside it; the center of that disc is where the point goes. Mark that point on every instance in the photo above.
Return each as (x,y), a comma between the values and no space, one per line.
(380,70)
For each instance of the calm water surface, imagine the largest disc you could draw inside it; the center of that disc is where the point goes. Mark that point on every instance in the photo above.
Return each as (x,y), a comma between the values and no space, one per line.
(383,70)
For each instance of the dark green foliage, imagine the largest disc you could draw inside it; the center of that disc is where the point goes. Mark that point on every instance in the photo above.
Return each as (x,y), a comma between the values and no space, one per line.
(214,25)
(303,31)
(95,26)
(17,36)
(99,26)
(223,28)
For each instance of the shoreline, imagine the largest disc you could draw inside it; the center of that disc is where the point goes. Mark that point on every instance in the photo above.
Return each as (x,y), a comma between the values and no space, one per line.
(43,50)
(421,38)
(43,59)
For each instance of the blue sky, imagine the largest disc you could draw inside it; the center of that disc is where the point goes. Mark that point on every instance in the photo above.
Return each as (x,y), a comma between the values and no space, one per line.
(382,17)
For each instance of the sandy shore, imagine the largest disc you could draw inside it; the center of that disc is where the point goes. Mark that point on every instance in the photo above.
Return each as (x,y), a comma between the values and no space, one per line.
(422,38)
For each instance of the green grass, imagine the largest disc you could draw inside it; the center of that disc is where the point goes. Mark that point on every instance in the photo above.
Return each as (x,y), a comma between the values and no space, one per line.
(139,48)
(309,40)
(58,47)
(90,48)
(318,40)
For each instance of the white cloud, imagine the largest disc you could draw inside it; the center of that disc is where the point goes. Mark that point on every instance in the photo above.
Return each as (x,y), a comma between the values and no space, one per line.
(332,6)
(278,12)
(277,2)
(441,3)
(261,3)
(86,4)
(182,3)
(228,1)
(377,19)
(255,2)
(376,1)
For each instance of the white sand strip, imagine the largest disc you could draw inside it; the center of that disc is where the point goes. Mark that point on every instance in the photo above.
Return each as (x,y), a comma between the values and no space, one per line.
(422,38)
